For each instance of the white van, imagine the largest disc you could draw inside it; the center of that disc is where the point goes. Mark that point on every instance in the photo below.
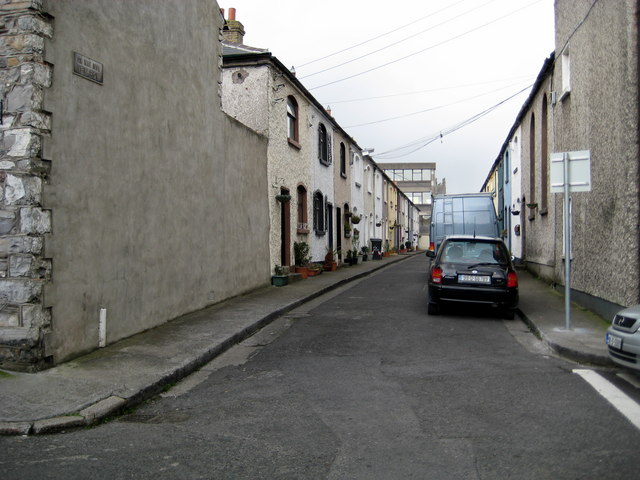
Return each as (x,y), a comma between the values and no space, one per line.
(461,214)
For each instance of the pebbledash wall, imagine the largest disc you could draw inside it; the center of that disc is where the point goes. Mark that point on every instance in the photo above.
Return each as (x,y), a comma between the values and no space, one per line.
(597,43)
(136,194)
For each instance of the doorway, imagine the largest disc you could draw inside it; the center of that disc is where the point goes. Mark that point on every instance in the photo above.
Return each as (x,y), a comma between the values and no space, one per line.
(339,233)
(285,227)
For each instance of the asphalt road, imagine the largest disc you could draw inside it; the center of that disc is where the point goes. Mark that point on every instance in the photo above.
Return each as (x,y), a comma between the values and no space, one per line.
(360,384)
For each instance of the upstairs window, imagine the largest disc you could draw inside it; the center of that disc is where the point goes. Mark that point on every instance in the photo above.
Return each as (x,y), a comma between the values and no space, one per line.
(323,145)
(566,74)
(292,120)
(343,160)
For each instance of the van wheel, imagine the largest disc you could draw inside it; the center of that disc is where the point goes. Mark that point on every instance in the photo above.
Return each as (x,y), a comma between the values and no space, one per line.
(433,308)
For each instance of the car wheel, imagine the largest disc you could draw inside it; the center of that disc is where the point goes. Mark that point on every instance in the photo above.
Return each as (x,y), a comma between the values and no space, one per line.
(433,308)
(509,314)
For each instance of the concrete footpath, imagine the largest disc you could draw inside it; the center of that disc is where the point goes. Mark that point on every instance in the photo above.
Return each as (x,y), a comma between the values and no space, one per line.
(102,384)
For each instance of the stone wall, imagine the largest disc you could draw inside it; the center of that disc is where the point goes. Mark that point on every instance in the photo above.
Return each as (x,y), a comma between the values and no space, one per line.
(24,76)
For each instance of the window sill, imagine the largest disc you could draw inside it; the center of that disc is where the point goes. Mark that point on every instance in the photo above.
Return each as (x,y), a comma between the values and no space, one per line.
(532,217)
(543,212)
(320,233)
(324,162)
(302,231)
(358,185)
(343,175)
(565,94)
(294,144)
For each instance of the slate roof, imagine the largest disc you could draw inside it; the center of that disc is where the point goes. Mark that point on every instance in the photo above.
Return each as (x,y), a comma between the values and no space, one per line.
(230,48)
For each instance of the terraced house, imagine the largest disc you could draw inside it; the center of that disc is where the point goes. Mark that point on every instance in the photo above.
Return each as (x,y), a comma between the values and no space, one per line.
(585,100)
(311,159)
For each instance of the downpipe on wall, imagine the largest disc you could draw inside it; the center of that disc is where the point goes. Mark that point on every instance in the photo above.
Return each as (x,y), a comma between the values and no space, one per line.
(102,328)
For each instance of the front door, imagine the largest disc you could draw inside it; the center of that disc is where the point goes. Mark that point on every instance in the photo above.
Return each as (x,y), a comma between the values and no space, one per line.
(285,229)
(339,232)
(330,224)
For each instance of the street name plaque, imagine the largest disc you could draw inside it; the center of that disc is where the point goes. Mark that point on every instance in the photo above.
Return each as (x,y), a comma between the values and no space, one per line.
(87,68)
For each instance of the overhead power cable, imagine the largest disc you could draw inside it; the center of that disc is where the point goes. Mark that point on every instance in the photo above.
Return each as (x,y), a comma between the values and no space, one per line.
(425,49)
(397,42)
(423,142)
(431,90)
(431,109)
(380,36)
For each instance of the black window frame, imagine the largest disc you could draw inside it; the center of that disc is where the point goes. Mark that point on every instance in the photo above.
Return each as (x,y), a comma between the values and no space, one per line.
(318,213)
(293,131)
(323,145)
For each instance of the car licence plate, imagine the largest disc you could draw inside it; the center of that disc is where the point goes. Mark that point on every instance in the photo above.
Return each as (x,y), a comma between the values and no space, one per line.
(614,342)
(478,279)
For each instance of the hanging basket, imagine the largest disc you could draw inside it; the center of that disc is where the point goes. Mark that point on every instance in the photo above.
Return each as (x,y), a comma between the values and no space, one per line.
(283,198)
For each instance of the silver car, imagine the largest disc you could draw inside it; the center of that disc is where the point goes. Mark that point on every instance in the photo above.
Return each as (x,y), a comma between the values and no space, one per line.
(623,337)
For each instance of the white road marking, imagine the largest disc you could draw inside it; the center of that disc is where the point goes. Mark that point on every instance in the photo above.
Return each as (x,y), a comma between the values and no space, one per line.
(616,397)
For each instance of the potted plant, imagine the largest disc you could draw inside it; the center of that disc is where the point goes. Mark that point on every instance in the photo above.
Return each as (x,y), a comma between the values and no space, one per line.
(365,253)
(347,229)
(355,219)
(386,248)
(330,264)
(280,278)
(354,257)
(314,269)
(402,249)
(348,260)
(301,257)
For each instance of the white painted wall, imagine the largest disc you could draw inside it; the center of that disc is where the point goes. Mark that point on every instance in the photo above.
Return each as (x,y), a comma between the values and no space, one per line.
(515,148)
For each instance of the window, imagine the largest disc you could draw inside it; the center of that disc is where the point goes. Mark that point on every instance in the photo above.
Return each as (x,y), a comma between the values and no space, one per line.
(507,172)
(357,170)
(303,227)
(292,119)
(323,145)
(566,74)
(343,160)
(544,154)
(318,213)
(532,164)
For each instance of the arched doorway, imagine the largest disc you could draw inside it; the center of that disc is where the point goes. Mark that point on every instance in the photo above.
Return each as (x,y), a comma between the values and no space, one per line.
(285,227)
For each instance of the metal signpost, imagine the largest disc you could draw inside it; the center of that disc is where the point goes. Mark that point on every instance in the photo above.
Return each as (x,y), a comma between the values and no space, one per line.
(570,172)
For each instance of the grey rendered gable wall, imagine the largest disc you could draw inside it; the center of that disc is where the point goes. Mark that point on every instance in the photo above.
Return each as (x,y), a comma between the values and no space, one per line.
(153,205)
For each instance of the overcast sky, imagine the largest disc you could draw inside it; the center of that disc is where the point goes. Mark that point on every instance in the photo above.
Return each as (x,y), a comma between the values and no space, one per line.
(398,75)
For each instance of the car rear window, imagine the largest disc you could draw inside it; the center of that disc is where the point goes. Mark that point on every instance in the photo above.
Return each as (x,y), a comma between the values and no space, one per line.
(473,251)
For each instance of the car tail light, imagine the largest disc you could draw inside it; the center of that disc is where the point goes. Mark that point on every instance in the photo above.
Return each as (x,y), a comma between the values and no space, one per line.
(432,247)
(512,280)
(436,275)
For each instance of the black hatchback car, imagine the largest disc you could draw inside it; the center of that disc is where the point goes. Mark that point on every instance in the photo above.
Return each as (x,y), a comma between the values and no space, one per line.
(476,270)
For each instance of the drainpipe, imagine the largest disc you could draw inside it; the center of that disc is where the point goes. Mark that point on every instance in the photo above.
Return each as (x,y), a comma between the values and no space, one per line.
(102,328)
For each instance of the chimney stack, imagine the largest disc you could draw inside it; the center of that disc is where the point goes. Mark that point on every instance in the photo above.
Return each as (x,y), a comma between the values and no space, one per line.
(233,30)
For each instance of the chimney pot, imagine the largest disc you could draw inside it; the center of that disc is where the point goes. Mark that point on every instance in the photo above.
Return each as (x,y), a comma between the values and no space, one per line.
(232,14)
